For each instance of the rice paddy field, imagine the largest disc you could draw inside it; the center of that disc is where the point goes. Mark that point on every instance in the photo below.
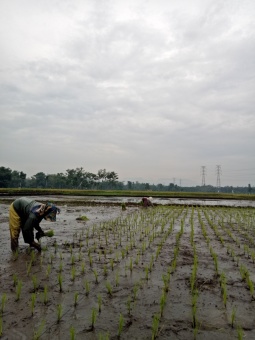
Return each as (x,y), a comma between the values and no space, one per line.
(127,272)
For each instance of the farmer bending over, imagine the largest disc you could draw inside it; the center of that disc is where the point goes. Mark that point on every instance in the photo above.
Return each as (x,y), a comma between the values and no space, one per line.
(25,215)
(147,202)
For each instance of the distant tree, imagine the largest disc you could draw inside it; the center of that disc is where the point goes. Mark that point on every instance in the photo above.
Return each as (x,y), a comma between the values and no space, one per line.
(249,188)
(5,177)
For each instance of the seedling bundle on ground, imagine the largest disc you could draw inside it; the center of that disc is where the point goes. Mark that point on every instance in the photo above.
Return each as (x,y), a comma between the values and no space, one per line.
(162,272)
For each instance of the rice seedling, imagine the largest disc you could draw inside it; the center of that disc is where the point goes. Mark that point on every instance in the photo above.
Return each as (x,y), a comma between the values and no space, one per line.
(121,324)
(129,305)
(60,282)
(15,280)
(35,282)
(76,295)
(166,280)
(18,290)
(73,273)
(96,275)
(32,256)
(93,318)
(233,316)
(239,332)
(3,301)
(48,271)
(87,287)
(45,295)
(155,326)
(73,259)
(117,279)
(105,270)
(37,333)
(135,290)
(162,302)
(99,300)
(131,265)
(59,313)
(109,288)
(29,266)
(251,286)
(33,299)
(146,269)
(60,268)
(83,268)
(72,333)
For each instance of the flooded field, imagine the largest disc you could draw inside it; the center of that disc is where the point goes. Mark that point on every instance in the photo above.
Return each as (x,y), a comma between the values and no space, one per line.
(167,272)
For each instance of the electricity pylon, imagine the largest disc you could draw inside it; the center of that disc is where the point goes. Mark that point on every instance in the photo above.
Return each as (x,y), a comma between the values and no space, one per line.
(203,172)
(218,173)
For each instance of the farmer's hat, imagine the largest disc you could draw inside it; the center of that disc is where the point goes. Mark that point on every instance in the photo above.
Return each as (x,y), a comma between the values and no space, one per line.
(150,198)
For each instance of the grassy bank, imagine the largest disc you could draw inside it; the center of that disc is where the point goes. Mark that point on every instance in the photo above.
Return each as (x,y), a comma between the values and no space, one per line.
(5,192)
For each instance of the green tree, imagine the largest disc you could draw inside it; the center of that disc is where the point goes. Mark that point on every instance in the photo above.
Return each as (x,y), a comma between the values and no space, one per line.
(5,177)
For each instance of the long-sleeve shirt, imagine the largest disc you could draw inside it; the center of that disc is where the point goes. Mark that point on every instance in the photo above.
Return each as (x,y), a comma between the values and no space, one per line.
(29,220)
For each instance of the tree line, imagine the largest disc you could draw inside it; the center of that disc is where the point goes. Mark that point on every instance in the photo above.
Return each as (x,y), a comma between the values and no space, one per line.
(102,180)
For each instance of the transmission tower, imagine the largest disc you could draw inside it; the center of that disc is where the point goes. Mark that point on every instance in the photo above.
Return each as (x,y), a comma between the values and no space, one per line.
(218,173)
(203,172)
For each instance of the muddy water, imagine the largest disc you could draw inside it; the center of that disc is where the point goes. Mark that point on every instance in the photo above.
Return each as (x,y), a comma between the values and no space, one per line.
(131,250)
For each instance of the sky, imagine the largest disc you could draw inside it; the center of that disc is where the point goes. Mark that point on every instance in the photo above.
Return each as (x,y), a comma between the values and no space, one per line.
(153,90)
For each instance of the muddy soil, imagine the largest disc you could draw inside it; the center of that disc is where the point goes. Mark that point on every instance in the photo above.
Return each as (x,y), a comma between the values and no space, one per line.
(173,272)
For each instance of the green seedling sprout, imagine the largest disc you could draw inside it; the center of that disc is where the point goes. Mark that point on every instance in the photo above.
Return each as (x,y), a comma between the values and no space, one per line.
(35,282)
(73,259)
(60,282)
(37,334)
(29,266)
(99,300)
(96,275)
(239,332)
(155,326)
(18,290)
(48,271)
(15,280)
(72,333)
(59,312)
(105,270)
(109,288)
(146,273)
(76,295)
(112,264)
(32,255)
(162,303)
(117,279)
(45,295)
(4,298)
(73,273)
(87,287)
(33,299)
(129,305)
(83,268)
(121,324)
(233,316)
(93,318)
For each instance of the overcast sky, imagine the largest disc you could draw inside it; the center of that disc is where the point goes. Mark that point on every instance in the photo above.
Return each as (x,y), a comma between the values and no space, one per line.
(152,90)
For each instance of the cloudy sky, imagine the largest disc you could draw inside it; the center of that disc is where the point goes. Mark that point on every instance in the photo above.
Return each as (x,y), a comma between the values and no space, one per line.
(152,90)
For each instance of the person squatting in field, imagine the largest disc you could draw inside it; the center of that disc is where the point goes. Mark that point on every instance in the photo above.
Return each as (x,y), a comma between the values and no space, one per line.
(147,202)
(25,215)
